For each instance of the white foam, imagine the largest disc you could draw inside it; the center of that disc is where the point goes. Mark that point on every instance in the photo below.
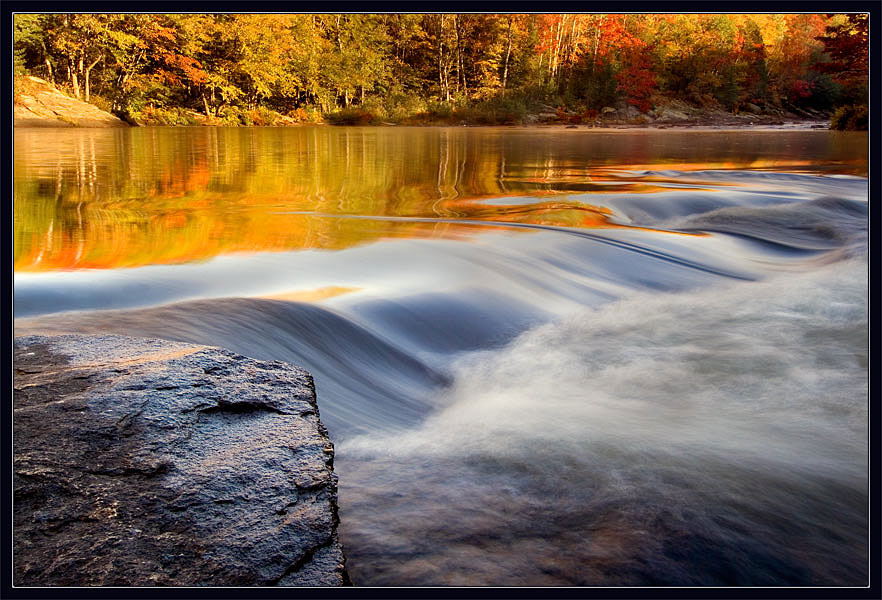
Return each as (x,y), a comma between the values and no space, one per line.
(773,372)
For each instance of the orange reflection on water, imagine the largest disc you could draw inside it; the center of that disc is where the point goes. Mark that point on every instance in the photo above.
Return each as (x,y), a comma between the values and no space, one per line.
(95,199)
(315,295)
(125,237)
(753,165)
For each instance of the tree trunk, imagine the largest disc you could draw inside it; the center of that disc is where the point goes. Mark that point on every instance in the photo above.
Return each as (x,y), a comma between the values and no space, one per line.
(72,76)
(81,71)
(596,44)
(465,82)
(441,56)
(571,50)
(86,77)
(49,70)
(458,53)
(507,55)
(558,43)
(205,103)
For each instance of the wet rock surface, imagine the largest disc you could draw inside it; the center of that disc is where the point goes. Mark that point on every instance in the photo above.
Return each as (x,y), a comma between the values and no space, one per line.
(147,462)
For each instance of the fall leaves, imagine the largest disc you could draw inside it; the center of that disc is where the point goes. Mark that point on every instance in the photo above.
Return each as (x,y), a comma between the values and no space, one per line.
(384,62)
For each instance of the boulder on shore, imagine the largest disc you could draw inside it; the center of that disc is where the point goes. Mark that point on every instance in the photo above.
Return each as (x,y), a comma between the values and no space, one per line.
(40,104)
(141,462)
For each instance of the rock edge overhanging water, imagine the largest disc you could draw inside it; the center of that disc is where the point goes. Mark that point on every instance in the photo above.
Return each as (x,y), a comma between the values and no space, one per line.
(147,462)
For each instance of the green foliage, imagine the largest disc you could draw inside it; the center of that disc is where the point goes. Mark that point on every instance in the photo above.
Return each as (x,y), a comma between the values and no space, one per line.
(510,110)
(728,93)
(850,118)
(826,91)
(594,84)
(101,102)
(399,106)
(439,110)
(25,33)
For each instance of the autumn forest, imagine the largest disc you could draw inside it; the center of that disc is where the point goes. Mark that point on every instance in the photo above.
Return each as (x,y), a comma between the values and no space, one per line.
(484,68)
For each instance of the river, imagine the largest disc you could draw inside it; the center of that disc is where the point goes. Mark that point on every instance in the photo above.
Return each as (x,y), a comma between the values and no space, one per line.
(546,356)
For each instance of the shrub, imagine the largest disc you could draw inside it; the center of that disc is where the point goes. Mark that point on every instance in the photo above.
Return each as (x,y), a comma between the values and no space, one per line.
(375,107)
(350,116)
(494,111)
(825,92)
(850,118)
(153,115)
(589,116)
(439,110)
(513,110)
(308,114)
(232,116)
(400,106)
(101,102)
(263,116)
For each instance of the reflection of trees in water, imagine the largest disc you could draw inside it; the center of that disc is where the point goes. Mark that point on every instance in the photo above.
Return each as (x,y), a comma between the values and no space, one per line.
(108,198)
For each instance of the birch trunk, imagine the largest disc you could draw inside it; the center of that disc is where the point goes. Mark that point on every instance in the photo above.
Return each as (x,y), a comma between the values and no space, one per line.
(507,55)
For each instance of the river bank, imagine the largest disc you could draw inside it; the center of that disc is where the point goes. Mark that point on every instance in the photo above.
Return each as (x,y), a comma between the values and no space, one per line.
(670,115)
(40,104)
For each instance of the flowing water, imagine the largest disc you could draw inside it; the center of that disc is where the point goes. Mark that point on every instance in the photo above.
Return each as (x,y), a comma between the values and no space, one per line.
(546,356)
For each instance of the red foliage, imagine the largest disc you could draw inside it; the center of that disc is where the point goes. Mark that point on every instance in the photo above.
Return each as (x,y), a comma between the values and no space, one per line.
(589,116)
(545,31)
(847,45)
(801,89)
(637,79)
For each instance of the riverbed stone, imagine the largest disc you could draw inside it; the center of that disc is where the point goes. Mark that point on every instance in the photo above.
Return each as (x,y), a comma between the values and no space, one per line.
(671,115)
(147,462)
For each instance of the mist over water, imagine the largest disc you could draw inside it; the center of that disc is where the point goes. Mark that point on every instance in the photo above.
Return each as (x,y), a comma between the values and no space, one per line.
(643,374)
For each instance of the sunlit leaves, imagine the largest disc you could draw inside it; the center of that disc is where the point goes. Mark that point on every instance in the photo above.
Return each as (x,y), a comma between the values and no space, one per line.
(329,61)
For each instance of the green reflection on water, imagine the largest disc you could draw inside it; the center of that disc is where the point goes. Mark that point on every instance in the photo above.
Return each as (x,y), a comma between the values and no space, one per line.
(108,198)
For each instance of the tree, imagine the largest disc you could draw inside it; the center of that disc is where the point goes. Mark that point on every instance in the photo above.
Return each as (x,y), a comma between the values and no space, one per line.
(29,38)
(81,40)
(586,61)
(847,44)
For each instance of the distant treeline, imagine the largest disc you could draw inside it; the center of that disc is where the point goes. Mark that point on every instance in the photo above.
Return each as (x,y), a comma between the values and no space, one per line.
(394,65)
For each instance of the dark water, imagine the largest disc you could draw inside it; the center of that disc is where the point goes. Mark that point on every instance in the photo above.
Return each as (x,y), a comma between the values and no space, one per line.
(546,357)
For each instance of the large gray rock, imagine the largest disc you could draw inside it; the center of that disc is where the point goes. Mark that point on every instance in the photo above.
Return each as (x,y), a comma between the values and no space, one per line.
(147,462)
(671,115)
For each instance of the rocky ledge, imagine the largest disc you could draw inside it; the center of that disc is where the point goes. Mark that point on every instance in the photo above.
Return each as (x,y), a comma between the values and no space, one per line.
(145,462)
(40,104)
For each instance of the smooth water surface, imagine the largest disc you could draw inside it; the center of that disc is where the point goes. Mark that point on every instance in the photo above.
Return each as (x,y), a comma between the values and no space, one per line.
(546,356)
